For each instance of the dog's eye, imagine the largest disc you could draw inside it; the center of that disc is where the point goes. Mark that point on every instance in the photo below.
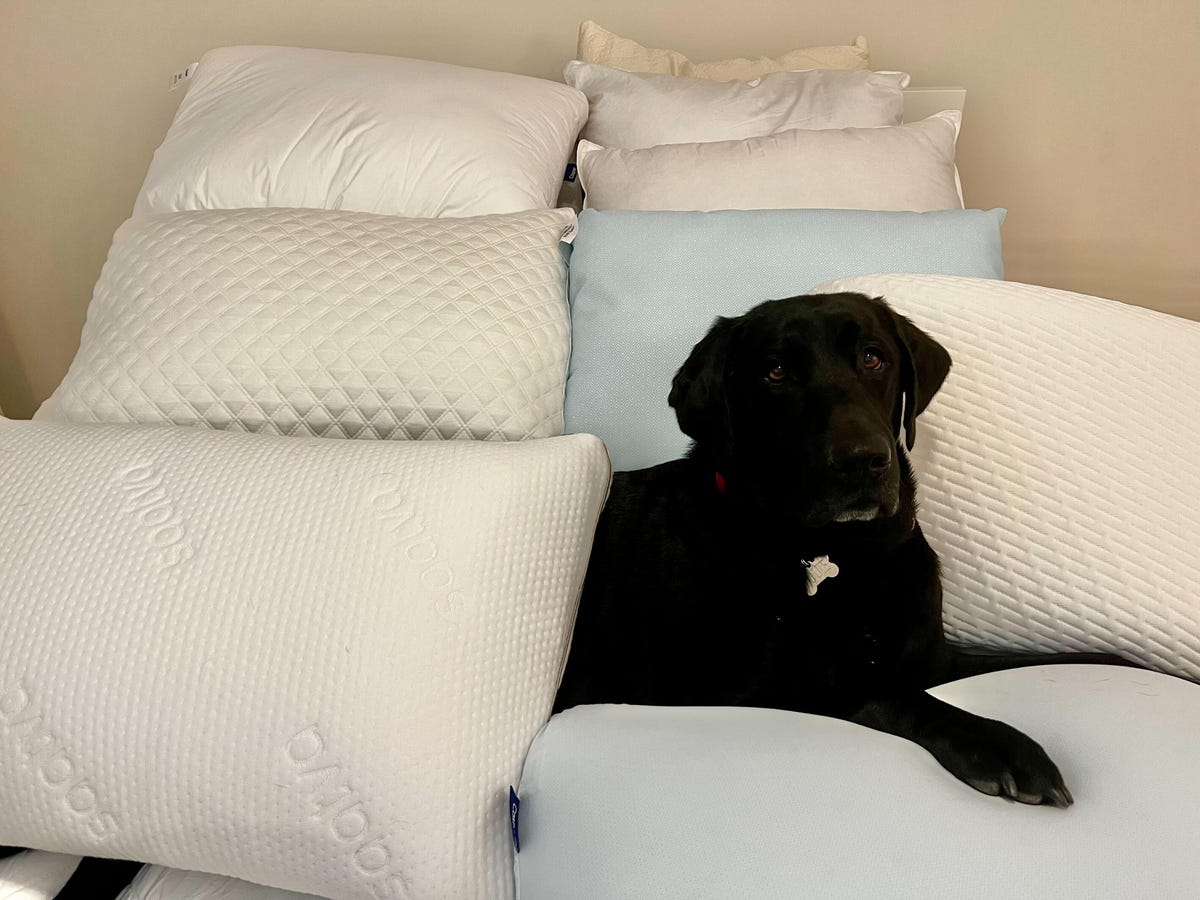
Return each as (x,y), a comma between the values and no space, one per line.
(776,373)
(872,359)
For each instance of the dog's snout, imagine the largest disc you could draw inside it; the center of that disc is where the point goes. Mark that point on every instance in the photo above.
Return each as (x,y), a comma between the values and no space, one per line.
(861,454)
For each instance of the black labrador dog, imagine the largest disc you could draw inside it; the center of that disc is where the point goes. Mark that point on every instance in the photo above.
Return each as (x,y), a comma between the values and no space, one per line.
(780,564)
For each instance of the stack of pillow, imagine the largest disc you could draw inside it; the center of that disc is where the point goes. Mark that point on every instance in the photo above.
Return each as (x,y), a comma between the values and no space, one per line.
(754,135)
(318,664)
(319,250)
(314,664)
(807,175)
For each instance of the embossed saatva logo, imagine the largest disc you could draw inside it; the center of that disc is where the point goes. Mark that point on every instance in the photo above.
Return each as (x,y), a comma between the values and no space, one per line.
(41,751)
(399,517)
(338,808)
(146,499)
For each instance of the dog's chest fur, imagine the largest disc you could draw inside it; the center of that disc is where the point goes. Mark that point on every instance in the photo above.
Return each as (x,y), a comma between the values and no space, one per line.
(687,602)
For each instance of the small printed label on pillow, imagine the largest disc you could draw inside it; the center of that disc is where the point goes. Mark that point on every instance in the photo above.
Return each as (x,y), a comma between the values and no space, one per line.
(514,817)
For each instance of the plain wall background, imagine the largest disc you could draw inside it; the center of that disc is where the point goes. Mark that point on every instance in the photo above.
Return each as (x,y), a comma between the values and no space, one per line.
(1082,117)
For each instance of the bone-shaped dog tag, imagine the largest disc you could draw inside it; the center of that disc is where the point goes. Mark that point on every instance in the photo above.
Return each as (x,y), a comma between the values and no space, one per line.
(818,570)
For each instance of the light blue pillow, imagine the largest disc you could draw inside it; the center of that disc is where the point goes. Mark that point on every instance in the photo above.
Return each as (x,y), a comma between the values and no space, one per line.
(645,287)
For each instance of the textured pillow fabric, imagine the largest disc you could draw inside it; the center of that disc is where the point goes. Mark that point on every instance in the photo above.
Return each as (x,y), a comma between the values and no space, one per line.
(598,45)
(715,803)
(906,167)
(1058,467)
(280,126)
(329,323)
(646,286)
(310,664)
(629,111)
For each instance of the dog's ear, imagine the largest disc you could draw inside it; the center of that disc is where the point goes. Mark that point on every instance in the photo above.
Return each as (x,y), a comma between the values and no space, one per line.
(923,368)
(698,390)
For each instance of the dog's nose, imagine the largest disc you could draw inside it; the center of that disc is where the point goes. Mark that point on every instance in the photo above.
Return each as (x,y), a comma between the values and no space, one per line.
(861,455)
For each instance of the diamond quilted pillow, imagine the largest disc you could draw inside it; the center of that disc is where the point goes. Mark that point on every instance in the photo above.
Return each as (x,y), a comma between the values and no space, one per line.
(1058,468)
(337,324)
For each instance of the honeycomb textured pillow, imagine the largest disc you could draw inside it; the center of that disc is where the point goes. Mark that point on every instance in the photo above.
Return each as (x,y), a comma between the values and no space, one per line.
(598,45)
(631,111)
(311,664)
(1059,478)
(282,126)
(329,323)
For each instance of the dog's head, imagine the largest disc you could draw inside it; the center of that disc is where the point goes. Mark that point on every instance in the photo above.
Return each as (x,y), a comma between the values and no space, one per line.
(802,401)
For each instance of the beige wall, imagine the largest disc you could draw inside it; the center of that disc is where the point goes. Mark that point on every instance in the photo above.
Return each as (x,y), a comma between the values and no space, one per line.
(1083,118)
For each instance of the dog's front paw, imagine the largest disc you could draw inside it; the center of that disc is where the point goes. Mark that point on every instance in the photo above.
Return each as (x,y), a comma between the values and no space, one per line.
(999,760)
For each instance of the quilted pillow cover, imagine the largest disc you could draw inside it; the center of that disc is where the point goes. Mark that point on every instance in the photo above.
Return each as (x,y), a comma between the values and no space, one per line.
(905,167)
(291,127)
(329,323)
(311,664)
(1058,468)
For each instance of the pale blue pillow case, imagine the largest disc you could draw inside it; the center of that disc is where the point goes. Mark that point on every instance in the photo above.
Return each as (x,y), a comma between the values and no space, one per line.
(645,287)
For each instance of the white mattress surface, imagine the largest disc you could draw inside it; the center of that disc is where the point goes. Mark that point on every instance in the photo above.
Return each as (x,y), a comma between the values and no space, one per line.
(308,663)
(1059,467)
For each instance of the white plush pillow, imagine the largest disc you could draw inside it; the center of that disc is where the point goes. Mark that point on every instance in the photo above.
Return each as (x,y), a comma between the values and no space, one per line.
(329,323)
(629,110)
(598,45)
(1058,468)
(280,126)
(900,167)
(310,664)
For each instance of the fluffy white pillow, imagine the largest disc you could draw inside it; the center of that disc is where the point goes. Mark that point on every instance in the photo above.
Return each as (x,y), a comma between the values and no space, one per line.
(329,323)
(901,167)
(1059,478)
(629,110)
(311,664)
(280,126)
(598,45)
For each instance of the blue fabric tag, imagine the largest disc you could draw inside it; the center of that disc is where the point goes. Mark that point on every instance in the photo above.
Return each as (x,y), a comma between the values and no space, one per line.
(571,172)
(514,817)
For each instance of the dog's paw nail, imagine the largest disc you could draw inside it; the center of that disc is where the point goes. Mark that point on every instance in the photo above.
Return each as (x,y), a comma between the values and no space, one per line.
(1010,786)
(985,786)
(1061,797)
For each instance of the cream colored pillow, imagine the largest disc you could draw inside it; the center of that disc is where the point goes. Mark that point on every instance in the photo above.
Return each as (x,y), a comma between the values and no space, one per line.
(598,45)
(898,167)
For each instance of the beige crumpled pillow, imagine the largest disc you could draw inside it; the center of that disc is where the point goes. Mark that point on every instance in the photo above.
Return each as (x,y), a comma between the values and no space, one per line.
(598,45)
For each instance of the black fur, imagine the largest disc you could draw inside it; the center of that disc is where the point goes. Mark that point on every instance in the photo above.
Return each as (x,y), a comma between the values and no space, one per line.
(696,596)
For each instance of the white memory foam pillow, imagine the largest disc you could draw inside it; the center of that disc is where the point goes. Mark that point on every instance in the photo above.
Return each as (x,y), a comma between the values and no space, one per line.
(899,167)
(282,126)
(329,323)
(631,110)
(1058,468)
(307,663)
